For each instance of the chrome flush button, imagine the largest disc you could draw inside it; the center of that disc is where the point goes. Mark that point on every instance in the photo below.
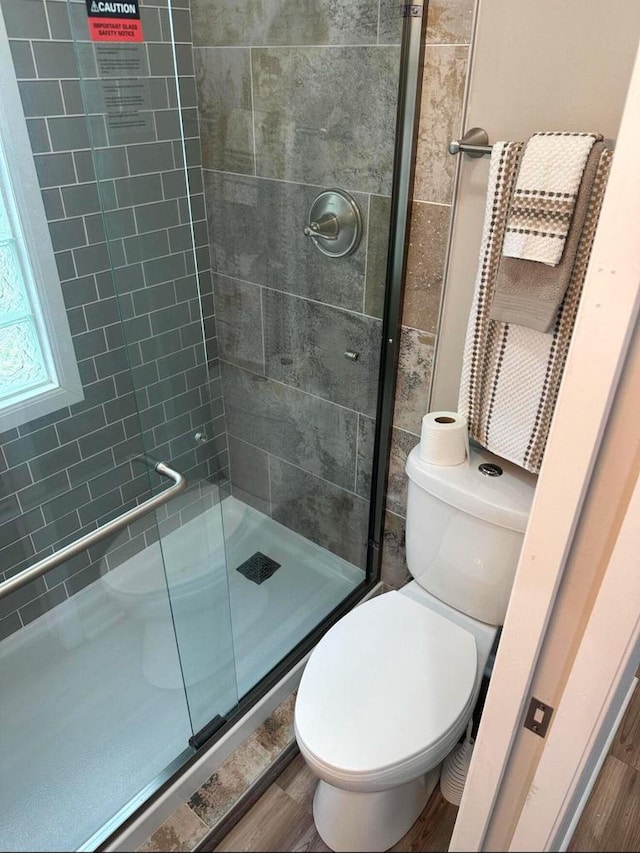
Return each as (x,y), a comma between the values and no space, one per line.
(490,470)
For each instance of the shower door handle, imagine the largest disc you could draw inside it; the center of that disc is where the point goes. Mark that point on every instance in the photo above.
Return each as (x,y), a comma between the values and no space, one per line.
(45,565)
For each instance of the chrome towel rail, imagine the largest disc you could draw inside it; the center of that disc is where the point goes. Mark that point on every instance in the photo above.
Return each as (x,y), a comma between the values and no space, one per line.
(475,143)
(45,565)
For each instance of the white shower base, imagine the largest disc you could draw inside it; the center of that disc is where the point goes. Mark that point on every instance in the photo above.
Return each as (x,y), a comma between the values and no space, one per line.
(83,731)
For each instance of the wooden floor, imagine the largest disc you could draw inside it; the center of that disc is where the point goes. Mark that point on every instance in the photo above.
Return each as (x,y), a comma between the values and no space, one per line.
(282,819)
(611,819)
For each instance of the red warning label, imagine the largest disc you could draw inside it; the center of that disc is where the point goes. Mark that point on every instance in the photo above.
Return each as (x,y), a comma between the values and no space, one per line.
(111,20)
(112,29)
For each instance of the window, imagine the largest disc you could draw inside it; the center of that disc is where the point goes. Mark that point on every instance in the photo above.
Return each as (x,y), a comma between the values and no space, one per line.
(38,371)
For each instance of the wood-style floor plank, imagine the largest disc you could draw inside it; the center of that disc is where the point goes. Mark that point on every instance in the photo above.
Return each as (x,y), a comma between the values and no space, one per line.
(275,823)
(312,843)
(626,743)
(299,782)
(432,832)
(611,819)
(282,820)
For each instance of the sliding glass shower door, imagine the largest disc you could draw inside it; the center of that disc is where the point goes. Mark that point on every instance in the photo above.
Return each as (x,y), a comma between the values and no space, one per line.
(297,107)
(112,659)
(204,192)
(138,104)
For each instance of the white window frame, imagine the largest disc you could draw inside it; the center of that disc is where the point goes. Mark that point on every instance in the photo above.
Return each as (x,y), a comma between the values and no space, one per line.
(44,284)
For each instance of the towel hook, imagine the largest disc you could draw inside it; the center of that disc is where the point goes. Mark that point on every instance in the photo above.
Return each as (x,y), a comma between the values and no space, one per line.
(475,143)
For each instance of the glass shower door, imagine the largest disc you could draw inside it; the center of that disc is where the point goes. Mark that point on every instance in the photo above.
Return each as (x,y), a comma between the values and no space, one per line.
(114,659)
(180,172)
(297,106)
(138,99)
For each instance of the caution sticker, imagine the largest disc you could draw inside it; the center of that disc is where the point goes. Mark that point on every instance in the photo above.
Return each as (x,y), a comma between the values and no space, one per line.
(114,20)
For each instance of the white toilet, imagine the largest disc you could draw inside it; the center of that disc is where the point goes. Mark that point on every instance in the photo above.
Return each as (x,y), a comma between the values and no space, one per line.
(390,688)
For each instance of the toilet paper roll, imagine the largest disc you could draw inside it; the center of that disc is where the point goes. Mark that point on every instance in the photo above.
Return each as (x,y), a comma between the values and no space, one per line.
(444,438)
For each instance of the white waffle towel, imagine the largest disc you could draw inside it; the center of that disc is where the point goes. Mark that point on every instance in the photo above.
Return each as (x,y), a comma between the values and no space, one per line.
(545,195)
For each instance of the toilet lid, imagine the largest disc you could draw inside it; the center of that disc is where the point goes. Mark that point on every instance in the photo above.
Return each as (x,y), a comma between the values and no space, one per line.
(384,685)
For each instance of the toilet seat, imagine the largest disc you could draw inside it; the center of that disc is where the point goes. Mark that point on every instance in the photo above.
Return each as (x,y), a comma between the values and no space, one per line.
(389,663)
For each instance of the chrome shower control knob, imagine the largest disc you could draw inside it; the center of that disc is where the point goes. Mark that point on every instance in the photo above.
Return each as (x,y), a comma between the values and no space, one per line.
(334,224)
(327,227)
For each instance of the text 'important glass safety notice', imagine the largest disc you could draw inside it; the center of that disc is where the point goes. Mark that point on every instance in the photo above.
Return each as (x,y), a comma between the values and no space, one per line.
(114,20)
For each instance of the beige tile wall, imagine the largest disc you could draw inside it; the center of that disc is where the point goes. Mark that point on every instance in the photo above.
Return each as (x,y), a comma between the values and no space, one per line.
(445,67)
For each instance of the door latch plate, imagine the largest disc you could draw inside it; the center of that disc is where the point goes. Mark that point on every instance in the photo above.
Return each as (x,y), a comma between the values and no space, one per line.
(538,717)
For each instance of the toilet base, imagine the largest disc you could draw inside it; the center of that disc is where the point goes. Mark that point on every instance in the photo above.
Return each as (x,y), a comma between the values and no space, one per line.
(370,822)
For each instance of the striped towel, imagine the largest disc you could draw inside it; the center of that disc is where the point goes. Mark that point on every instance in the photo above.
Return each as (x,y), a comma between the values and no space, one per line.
(545,195)
(511,373)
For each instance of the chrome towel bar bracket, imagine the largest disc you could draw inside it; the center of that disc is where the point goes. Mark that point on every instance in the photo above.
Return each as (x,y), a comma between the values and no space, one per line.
(45,565)
(475,143)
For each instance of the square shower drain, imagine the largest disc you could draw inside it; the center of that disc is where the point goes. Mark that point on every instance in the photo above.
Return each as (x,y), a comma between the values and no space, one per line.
(258,568)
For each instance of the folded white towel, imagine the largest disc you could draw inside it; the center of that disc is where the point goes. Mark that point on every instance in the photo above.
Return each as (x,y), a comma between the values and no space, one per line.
(545,195)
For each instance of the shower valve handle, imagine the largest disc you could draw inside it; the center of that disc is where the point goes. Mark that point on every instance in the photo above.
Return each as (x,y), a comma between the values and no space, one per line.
(327,227)
(334,224)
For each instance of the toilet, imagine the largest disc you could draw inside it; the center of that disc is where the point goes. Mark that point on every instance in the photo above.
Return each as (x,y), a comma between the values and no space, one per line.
(390,688)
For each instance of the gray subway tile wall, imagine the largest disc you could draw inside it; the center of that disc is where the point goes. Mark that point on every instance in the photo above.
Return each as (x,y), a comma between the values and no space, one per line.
(307,345)
(133,292)
(380,220)
(299,427)
(320,511)
(240,322)
(293,100)
(256,236)
(326,115)
(224,92)
(274,23)
(250,467)
(364,459)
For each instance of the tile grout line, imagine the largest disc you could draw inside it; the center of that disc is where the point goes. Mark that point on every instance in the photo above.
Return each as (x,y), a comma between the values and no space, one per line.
(360,46)
(264,376)
(421,331)
(299,296)
(366,254)
(253,115)
(300,468)
(269,481)
(417,200)
(49,28)
(264,350)
(355,473)
(274,179)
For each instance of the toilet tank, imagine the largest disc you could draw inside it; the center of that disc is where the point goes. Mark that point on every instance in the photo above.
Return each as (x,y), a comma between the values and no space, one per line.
(464,531)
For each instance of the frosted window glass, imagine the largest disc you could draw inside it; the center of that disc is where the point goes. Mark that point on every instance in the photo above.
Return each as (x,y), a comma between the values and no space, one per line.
(38,369)
(22,366)
(13,298)
(5,225)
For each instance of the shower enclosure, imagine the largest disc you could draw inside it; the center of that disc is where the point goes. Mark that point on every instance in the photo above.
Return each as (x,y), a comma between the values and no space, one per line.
(190,353)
